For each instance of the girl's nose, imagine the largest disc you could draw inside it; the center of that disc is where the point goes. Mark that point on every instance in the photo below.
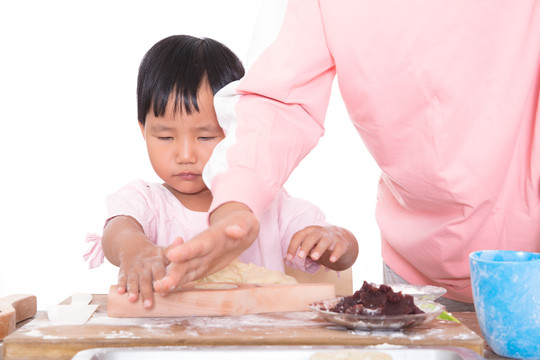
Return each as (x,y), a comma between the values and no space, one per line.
(186,153)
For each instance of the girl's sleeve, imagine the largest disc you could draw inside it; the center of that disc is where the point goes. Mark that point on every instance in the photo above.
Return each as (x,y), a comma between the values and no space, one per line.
(295,214)
(278,118)
(135,200)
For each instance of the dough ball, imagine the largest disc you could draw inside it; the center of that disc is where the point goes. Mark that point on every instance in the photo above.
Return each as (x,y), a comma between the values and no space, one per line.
(346,354)
(239,272)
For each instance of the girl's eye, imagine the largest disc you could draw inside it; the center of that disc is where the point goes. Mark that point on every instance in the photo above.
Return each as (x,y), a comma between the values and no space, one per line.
(207,138)
(165,138)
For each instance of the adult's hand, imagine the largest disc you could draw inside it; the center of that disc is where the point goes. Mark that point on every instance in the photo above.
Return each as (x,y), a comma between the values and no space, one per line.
(233,228)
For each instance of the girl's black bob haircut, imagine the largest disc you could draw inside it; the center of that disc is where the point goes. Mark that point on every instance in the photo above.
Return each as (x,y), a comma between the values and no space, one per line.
(178,65)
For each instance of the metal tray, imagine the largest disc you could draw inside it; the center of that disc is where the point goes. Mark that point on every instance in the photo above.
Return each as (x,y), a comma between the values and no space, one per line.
(271,353)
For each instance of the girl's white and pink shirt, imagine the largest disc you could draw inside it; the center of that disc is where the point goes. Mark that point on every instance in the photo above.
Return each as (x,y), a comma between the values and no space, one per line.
(445,96)
(164,218)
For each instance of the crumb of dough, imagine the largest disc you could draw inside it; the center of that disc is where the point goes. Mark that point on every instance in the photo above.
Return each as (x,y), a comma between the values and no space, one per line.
(346,354)
(239,272)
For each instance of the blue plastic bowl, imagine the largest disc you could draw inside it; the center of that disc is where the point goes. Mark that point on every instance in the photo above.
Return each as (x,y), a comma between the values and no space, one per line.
(506,292)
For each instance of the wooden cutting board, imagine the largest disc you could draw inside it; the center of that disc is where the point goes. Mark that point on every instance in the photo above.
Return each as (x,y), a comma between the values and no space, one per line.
(218,299)
(40,339)
(14,309)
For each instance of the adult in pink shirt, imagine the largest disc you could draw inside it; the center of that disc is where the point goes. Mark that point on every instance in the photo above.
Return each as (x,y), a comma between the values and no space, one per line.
(445,95)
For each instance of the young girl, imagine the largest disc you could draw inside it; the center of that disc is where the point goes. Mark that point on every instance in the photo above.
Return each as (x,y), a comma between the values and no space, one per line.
(178,78)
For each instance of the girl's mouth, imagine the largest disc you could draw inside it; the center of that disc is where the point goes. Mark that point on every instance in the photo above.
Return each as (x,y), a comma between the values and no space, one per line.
(187,176)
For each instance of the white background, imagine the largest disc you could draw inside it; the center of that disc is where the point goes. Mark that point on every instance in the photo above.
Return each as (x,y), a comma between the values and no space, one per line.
(69,134)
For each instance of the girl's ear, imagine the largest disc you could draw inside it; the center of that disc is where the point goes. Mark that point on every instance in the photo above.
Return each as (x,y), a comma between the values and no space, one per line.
(142,130)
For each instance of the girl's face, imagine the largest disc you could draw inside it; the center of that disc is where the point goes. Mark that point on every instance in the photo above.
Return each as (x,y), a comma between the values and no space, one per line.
(179,146)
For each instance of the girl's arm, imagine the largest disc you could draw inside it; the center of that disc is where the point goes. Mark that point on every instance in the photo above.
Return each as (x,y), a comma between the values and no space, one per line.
(140,261)
(331,246)
(305,232)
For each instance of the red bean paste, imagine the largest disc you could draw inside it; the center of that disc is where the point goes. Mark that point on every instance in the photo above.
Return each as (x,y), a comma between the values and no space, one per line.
(373,300)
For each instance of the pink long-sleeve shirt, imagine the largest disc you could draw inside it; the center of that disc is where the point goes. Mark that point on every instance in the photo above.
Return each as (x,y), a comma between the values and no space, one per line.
(444,94)
(164,218)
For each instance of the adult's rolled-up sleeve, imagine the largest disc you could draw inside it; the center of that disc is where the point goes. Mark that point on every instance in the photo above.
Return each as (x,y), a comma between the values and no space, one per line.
(276,114)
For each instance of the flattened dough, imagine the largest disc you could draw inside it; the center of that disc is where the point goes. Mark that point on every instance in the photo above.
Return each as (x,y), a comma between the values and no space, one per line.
(239,272)
(350,355)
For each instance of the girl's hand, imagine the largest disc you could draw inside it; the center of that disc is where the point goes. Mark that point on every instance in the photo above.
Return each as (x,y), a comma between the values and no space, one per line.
(139,267)
(141,262)
(331,246)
